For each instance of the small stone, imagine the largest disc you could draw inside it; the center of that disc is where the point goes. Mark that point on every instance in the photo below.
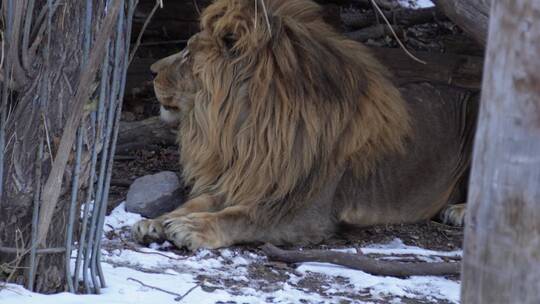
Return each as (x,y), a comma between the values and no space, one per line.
(154,195)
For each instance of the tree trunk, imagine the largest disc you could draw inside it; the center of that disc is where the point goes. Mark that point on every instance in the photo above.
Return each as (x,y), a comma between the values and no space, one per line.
(47,56)
(472,16)
(502,237)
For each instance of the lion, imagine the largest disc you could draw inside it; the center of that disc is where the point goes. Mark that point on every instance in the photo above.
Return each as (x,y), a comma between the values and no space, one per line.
(289,131)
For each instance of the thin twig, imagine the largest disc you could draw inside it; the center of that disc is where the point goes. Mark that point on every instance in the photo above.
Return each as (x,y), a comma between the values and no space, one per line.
(362,262)
(134,248)
(395,35)
(159,3)
(51,156)
(197,8)
(267,18)
(3,49)
(3,285)
(155,43)
(156,253)
(410,257)
(179,297)
(255,16)
(19,243)
(155,288)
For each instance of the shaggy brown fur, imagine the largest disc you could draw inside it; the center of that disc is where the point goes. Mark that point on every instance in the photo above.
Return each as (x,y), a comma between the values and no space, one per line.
(276,112)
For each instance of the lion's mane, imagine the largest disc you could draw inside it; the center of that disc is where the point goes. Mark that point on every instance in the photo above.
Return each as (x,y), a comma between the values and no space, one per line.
(284,103)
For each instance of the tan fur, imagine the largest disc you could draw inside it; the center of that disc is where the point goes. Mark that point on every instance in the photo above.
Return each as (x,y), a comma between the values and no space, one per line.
(257,140)
(271,115)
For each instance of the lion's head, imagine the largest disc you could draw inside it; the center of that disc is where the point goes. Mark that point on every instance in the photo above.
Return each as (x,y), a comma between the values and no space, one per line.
(272,102)
(174,85)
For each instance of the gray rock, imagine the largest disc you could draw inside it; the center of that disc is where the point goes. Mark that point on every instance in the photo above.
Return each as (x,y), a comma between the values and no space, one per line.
(154,195)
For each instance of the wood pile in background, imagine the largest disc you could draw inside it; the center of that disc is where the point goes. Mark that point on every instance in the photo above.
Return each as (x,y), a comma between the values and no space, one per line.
(454,57)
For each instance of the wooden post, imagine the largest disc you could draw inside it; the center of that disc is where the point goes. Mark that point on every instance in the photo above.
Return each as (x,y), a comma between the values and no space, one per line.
(502,237)
(471,15)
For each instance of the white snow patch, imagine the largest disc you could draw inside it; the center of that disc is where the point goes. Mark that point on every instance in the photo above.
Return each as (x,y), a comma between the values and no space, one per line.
(416,287)
(122,290)
(416,4)
(119,218)
(228,277)
(396,246)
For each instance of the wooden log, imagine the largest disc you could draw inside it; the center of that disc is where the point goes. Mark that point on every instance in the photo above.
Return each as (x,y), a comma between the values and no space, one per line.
(406,17)
(362,262)
(443,68)
(456,44)
(502,235)
(143,134)
(373,32)
(470,15)
(451,69)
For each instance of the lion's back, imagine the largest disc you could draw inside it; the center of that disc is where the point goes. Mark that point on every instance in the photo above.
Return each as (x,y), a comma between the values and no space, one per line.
(415,185)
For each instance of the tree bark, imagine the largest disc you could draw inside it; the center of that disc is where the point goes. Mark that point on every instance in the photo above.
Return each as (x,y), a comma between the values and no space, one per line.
(41,111)
(502,237)
(472,16)
(55,88)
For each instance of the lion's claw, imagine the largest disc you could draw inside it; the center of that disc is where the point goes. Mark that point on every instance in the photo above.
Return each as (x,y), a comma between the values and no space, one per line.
(148,231)
(190,231)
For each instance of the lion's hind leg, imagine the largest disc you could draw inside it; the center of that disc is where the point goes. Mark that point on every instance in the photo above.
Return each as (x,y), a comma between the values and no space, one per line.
(453,215)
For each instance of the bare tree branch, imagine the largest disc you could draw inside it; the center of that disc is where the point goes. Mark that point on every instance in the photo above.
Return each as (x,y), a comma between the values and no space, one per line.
(178,298)
(361,262)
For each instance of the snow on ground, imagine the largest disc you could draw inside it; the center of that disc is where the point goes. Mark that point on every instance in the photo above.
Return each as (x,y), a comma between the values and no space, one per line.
(241,275)
(119,218)
(416,3)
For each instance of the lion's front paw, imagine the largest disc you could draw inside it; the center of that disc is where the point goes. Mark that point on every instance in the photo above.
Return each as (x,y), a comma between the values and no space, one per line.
(148,231)
(193,231)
